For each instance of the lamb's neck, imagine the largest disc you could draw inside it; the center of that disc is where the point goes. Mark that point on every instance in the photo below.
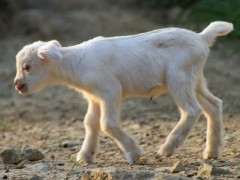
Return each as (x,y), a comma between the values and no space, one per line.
(68,69)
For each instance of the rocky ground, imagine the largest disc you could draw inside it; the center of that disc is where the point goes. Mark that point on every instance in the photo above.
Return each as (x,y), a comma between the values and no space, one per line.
(51,121)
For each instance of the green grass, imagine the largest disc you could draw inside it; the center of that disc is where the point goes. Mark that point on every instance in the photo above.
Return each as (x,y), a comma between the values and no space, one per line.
(201,12)
(205,11)
(73,163)
(5,127)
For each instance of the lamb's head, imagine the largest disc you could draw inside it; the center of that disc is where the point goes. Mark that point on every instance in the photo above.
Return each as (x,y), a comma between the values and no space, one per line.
(34,63)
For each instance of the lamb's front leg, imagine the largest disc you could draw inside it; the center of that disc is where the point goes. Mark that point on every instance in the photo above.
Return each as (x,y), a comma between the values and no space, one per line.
(92,125)
(110,124)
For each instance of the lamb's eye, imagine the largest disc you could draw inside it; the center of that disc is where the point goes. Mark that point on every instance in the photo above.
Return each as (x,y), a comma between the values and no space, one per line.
(26,67)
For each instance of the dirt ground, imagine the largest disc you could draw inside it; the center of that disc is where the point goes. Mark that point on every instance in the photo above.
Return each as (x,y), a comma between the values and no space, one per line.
(51,121)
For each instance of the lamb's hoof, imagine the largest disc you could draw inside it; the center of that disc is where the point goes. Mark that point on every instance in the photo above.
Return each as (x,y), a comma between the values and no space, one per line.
(133,156)
(166,150)
(85,157)
(210,154)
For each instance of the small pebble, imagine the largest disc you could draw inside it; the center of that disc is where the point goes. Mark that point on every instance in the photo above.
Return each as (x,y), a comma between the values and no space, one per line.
(162,136)
(32,154)
(36,177)
(208,170)
(177,167)
(11,156)
(5,177)
(60,164)
(191,174)
(65,145)
(52,156)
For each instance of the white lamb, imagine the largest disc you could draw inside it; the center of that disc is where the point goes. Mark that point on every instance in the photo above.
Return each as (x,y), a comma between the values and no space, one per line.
(106,70)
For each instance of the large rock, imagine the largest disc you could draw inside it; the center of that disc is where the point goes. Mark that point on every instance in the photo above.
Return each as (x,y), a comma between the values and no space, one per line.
(177,167)
(11,156)
(209,170)
(32,154)
(16,156)
(98,175)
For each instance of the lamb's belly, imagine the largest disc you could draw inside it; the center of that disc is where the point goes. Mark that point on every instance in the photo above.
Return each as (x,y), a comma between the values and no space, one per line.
(157,90)
(143,83)
(152,91)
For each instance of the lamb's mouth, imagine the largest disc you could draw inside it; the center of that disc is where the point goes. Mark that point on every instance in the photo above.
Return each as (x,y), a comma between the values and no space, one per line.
(22,89)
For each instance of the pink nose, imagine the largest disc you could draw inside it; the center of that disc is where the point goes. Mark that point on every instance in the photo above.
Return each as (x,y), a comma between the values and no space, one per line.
(19,85)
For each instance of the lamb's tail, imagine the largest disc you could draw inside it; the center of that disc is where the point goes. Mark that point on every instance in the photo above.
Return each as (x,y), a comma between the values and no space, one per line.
(217,28)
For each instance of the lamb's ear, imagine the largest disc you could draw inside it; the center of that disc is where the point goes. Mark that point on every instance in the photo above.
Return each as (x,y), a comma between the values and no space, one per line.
(55,42)
(50,51)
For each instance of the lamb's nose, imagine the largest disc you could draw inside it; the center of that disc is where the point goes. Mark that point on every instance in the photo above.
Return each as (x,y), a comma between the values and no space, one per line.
(18,84)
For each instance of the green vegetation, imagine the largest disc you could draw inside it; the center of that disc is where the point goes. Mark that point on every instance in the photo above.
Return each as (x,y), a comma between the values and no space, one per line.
(211,10)
(5,127)
(202,11)
(73,164)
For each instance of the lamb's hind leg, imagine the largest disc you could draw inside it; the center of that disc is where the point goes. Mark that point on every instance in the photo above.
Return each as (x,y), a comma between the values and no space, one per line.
(184,96)
(212,107)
